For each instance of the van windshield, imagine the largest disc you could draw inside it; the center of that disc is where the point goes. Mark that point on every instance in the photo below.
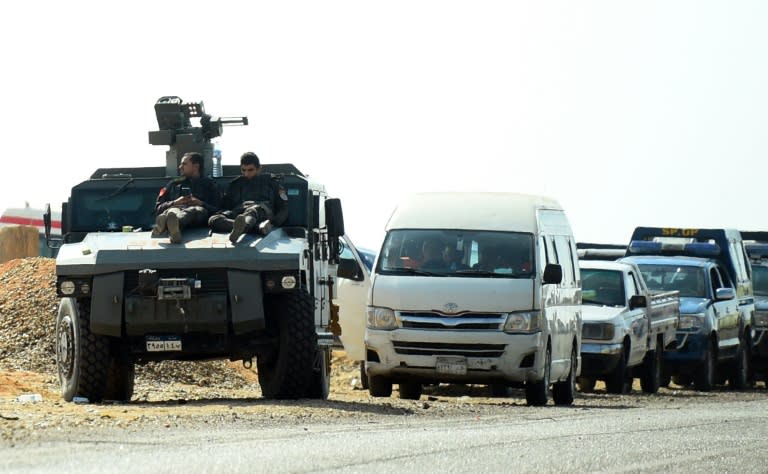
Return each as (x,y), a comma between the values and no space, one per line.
(457,253)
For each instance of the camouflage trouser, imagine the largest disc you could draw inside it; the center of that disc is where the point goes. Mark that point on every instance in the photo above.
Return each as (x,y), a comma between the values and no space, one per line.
(191,216)
(225,221)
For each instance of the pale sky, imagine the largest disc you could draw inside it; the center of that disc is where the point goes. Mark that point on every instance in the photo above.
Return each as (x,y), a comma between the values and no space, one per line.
(628,113)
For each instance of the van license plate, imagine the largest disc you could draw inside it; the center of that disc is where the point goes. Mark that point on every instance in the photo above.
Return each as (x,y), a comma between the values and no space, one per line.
(158,344)
(451,365)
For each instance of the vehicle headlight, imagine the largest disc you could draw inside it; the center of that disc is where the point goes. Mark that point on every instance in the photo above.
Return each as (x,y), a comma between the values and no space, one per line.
(381,318)
(691,321)
(528,321)
(761,318)
(599,331)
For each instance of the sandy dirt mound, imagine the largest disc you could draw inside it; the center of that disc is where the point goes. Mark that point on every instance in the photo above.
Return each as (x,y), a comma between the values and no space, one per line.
(28,307)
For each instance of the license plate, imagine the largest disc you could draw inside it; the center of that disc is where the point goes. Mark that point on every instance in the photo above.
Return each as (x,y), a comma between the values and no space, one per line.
(451,365)
(156,344)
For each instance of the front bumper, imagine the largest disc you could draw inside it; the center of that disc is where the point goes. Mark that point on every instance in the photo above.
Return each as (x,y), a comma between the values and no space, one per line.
(490,357)
(691,351)
(599,359)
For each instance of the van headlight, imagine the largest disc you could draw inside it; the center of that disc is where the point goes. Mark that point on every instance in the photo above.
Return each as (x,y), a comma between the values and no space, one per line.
(381,318)
(761,318)
(691,322)
(527,321)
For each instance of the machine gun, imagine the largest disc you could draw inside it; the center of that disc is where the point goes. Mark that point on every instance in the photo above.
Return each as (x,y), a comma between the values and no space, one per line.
(177,131)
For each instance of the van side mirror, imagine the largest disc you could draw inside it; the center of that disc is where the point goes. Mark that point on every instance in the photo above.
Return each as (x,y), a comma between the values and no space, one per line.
(334,217)
(637,301)
(725,294)
(553,273)
(349,269)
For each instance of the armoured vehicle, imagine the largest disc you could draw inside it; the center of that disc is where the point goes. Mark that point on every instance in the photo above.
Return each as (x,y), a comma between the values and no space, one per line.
(128,297)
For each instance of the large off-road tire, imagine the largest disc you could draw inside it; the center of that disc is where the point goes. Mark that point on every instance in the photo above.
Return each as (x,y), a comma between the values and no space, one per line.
(564,392)
(739,377)
(410,390)
(82,358)
(537,393)
(379,386)
(650,380)
(120,379)
(321,375)
(619,380)
(288,370)
(363,376)
(705,376)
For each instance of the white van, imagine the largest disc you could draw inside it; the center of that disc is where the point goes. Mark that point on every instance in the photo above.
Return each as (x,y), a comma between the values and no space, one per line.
(476,288)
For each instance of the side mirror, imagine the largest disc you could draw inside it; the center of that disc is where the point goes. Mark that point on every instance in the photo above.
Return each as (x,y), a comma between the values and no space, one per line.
(725,294)
(349,269)
(553,273)
(334,217)
(638,301)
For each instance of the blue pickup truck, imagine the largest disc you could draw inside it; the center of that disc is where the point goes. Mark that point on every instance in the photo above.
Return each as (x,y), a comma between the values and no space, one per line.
(710,269)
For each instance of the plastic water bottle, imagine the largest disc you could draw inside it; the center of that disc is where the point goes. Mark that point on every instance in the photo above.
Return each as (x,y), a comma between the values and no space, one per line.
(217,171)
(30,398)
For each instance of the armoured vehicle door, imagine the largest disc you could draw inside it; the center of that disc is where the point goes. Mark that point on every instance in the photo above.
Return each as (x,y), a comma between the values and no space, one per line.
(352,286)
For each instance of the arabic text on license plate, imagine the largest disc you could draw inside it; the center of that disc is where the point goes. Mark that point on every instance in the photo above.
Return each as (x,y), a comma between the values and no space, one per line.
(163,345)
(451,365)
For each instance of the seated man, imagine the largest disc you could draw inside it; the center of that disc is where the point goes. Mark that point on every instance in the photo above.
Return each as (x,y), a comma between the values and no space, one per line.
(452,258)
(186,201)
(432,250)
(252,201)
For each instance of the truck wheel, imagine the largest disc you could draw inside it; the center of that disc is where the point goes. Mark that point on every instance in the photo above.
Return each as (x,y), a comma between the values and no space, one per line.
(410,390)
(287,371)
(363,376)
(650,381)
(120,378)
(619,380)
(82,357)
(379,386)
(739,379)
(564,392)
(586,384)
(321,375)
(704,377)
(537,393)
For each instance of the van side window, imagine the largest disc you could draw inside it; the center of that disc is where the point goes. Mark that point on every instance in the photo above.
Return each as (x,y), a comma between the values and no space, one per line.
(573,259)
(543,253)
(561,250)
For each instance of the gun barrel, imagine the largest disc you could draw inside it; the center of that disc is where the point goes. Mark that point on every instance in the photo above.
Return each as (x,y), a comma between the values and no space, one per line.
(233,120)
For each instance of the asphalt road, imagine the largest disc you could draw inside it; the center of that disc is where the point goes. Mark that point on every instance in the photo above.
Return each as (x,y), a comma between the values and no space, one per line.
(705,436)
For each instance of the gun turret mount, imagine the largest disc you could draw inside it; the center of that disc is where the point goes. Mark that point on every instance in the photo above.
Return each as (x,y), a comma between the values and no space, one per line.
(176,131)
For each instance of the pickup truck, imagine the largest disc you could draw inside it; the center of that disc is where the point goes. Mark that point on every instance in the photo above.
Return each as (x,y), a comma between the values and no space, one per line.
(757,249)
(626,327)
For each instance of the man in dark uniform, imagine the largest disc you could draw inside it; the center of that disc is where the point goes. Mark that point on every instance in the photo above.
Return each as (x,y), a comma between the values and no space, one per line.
(253,201)
(186,201)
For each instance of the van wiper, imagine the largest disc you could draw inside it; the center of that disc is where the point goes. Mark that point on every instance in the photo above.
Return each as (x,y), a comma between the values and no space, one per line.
(482,273)
(411,271)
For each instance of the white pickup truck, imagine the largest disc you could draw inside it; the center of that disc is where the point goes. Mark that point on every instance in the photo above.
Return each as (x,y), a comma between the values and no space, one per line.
(626,327)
